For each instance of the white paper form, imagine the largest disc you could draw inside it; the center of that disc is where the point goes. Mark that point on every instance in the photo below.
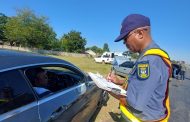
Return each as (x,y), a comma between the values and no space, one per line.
(102,83)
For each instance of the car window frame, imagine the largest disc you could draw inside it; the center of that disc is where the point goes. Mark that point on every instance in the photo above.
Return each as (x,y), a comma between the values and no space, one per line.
(54,65)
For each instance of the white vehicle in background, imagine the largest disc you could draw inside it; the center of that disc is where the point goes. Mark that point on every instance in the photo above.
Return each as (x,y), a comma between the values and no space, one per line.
(107,57)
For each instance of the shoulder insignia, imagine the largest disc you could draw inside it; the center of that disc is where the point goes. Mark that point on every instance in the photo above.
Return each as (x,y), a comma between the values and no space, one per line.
(143,70)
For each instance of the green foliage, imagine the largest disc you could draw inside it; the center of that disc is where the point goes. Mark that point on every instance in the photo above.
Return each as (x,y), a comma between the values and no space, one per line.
(27,29)
(56,46)
(73,42)
(133,55)
(15,32)
(96,49)
(3,21)
(106,48)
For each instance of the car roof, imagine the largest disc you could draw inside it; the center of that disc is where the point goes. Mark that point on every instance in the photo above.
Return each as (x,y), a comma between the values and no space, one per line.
(121,59)
(12,59)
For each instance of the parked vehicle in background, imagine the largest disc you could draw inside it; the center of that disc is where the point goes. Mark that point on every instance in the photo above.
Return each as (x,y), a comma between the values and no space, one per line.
(108,57)
(176,69)
(122,66)
(69,94)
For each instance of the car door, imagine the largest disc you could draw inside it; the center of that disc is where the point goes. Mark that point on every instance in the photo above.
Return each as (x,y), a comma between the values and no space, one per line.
(64,104)
(17,101)
(84,104)
(121,69)
(91,100)
(126,67)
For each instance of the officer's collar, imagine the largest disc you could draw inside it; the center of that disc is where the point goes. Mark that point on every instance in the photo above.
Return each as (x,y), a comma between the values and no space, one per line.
(151,45)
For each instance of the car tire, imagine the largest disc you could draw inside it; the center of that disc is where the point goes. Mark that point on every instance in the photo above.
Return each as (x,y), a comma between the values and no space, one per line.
(104,99)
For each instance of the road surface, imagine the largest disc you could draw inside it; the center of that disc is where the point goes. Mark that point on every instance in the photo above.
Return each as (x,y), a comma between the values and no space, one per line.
(180,99)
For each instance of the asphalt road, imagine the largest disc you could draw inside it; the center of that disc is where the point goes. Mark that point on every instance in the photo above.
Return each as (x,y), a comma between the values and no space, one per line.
(180,99)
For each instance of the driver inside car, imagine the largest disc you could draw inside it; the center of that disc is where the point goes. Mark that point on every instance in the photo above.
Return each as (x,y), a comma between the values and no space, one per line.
(41,82)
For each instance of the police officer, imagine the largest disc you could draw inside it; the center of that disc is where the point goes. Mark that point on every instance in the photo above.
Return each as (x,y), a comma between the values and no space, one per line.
(147,90)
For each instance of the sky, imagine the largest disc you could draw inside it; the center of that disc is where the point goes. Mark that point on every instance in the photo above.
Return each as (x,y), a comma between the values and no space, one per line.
(99,21)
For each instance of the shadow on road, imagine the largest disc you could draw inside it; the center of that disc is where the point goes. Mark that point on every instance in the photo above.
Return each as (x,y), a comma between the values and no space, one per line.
(95,115)
(115,116)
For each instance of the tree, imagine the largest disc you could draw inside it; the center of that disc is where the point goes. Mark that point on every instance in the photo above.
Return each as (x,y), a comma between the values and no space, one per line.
(133,55)
(27,29)
(73,42)
(3,21)
(42,35)
(57,46)
(96,49)
(105,48)
(15,32)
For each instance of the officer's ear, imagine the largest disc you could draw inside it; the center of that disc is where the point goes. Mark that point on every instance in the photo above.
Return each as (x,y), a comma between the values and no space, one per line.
(139,34)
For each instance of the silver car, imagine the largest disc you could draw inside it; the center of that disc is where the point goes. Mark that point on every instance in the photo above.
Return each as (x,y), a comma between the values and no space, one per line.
(122,66)
(69,94)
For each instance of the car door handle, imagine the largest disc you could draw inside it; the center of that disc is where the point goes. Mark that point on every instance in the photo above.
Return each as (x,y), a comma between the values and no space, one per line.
(57,112)
(59,109)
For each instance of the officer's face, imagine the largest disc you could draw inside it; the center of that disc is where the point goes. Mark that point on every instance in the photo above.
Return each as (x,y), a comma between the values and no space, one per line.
(130,42)
(134,40)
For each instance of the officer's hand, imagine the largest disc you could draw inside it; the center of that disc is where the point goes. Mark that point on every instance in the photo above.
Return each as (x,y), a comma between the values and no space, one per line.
(113,78)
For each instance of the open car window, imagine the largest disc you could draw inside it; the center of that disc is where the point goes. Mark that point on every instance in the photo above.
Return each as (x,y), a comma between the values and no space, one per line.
(48,80)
